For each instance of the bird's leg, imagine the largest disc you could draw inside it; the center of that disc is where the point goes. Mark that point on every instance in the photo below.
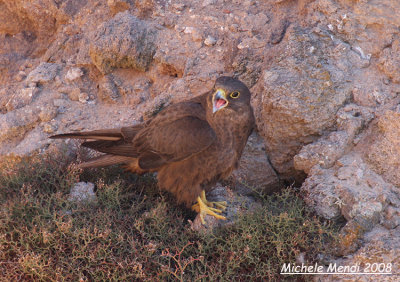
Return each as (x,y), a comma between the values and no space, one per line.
(204,207)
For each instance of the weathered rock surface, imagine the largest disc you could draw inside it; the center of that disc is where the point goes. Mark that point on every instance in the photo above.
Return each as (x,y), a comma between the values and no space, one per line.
(123,42)
(384,152)
(350,189)
(255,174)
(22,98)
(16,123)
(73,74)
(328,149)
(301,94)
(44,73)
(117,6)
(380,252)
(39,18)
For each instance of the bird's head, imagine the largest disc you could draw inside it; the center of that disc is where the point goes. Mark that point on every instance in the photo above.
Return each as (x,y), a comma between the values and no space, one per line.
(229,94)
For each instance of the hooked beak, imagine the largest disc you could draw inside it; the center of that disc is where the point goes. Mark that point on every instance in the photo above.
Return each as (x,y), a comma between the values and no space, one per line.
(219,100)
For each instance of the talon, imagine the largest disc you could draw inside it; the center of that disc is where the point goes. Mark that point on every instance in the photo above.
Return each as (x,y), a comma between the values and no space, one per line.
(220,205)
(204,207)
(215,210)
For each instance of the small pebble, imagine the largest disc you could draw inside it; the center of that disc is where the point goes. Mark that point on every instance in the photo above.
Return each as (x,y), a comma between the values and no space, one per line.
(60,103)
(74,94)
(188,29)
(73,74)
(83,97)
(20,76)
(32,85)
(210,41)
(234,28)
(49,128)
(208,2)
(196,35)
(82,192)
(179,6)
(48,114)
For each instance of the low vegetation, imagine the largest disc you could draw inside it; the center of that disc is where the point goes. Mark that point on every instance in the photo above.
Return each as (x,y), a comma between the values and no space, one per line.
(135,232)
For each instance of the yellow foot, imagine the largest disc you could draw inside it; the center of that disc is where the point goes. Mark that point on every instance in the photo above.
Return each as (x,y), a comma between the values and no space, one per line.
(204,207)
(220,205)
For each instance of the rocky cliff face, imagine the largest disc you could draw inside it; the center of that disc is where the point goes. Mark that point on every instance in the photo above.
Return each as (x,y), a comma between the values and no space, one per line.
(324,75)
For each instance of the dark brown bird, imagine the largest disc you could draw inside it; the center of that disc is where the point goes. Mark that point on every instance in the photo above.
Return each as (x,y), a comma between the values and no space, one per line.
(191,144)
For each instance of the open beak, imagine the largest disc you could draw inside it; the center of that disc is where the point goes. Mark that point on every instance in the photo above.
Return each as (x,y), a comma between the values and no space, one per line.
(219,100)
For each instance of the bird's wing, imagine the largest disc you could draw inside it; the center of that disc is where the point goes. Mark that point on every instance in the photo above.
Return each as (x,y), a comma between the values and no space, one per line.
(112,141)
(173,141)
(176,133)
(166,141)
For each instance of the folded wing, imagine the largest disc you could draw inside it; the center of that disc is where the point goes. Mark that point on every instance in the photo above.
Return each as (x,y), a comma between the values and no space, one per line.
(173,135)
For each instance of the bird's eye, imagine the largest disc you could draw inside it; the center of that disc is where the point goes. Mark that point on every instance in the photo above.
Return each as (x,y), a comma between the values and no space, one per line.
(235,95)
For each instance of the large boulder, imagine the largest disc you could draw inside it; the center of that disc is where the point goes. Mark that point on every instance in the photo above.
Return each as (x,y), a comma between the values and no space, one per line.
(300,95)
(123,42)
